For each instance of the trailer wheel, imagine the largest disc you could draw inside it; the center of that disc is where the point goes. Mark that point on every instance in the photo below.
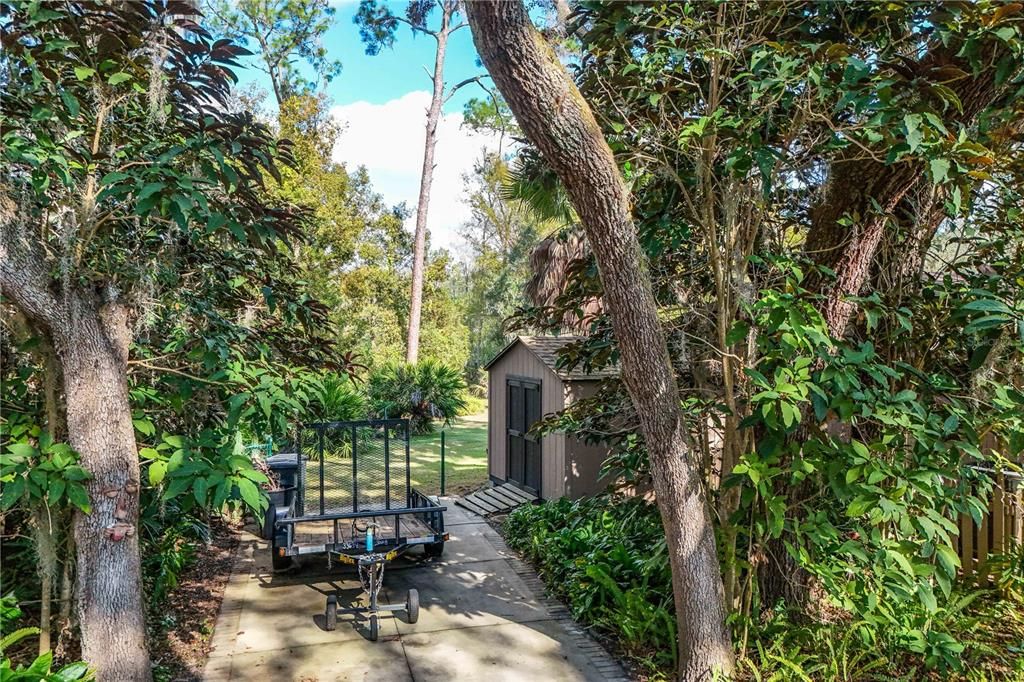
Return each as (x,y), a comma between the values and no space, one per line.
(373,628)
(434,549)
(279,562)
(331,614)
(412,605)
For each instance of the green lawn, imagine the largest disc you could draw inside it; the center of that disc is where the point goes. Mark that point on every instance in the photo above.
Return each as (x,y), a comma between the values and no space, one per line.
(465,457)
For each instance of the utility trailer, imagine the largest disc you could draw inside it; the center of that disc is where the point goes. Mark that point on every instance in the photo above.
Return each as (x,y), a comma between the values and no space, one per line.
(346,493)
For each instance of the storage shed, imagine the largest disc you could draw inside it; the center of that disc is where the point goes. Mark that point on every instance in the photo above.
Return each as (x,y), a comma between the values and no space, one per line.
(524,384)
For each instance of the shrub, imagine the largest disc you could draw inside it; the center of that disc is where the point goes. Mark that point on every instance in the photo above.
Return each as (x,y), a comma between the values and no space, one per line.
(338,399)
(422,393)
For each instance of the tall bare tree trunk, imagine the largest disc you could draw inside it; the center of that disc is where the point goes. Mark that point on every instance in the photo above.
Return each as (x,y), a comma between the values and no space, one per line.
(94,354)
(559,122)
(47,532)
(412,348)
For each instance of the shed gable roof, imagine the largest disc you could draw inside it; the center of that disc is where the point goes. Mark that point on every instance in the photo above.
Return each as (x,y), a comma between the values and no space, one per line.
(546,349)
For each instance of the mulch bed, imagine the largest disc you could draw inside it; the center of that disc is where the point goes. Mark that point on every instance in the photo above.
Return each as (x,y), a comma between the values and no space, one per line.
(180,642)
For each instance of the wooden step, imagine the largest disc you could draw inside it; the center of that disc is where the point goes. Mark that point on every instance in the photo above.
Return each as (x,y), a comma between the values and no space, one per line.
(466,503)
(495,500)
(518,492)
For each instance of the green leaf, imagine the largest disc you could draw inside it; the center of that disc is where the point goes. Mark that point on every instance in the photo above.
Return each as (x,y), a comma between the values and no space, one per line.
(111,178)
(901,561)
(988,305)
(176,487)
(22,450)
(84,72)
(859,506)
(11,492)
(76,473)
(250,494)
(70,673)
(175,441)
(927,597)
(149,190)
(948,559)
(79,497)
(13,638)
(157,471)
(912,123)
(940,170)
(41,666)
(56,490)
(119,77)
(987,322)
(70,102)
(144,426)
(199,490)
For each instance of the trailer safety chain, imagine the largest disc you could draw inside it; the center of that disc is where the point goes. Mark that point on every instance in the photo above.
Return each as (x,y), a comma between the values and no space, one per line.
(373,577)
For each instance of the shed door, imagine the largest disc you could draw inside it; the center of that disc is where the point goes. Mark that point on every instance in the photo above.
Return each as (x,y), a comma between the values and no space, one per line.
(523,449)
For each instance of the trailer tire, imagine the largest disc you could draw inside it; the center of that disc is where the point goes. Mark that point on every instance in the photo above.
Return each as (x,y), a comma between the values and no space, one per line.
(434,549)
(331,613)
(373,628)
(280,563)
(412,605)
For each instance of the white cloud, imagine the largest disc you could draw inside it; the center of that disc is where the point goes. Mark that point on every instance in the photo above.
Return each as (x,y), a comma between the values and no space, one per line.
(388,139)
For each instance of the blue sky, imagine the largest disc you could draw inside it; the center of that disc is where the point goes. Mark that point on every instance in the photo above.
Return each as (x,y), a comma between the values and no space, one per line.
(392,73)
(381,101)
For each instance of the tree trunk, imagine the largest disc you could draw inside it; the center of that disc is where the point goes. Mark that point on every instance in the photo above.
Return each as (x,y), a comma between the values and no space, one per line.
(557,120)
(412,348)
(93,352)
(45,545)
(64,630)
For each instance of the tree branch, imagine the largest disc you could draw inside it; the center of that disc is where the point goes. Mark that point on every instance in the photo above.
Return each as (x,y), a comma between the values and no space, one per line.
(416,27)
(455,88)
(23,279)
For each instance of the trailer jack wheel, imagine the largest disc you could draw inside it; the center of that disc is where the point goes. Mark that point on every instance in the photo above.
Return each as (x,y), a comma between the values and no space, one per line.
(373,628)
(412,605)
(331,614)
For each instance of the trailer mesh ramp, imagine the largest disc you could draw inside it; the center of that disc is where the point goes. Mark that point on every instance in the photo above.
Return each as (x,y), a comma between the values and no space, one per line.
(354,467)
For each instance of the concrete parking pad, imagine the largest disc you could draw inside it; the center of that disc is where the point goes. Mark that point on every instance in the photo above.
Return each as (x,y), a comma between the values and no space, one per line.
(480,618)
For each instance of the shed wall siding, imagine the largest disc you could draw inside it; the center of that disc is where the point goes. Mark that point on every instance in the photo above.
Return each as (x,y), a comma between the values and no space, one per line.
(519,361)
(582,461)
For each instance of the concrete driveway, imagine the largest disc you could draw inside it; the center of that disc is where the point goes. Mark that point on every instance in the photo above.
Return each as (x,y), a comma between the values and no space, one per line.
(483,616)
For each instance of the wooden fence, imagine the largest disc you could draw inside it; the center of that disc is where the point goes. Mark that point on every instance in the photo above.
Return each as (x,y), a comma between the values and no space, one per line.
(1000,527)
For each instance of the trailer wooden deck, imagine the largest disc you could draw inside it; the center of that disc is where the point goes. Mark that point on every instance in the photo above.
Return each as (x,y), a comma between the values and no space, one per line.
(322,532)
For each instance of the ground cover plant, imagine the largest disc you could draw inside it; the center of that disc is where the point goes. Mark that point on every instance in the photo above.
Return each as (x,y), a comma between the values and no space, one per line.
(605,557)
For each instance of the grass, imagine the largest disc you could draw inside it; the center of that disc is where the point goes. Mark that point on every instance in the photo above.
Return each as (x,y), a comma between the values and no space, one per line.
(465,457)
